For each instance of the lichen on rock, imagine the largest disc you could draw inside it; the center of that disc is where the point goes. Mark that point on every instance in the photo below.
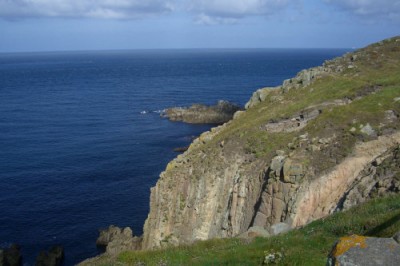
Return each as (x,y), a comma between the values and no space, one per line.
(364,251)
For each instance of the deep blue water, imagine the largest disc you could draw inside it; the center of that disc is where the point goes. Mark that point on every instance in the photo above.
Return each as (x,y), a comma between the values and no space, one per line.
(76,154)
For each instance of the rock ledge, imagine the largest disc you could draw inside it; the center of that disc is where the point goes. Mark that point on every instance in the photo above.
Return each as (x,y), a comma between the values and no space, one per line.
(220,113)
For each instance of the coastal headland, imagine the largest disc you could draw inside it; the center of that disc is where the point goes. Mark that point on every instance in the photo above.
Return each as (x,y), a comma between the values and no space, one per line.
(324,141)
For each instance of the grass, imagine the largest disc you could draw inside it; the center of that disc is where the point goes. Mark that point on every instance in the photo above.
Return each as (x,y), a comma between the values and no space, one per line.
(346,85)
(307,246)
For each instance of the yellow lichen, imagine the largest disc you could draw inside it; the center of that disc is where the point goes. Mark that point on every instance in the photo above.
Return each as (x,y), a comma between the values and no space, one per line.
(348,242)
(171,165)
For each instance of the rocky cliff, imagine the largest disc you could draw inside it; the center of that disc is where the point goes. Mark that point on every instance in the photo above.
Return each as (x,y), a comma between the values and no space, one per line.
(325,140)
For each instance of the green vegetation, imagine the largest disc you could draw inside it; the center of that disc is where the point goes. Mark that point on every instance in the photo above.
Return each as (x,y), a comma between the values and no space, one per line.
(370,86)
(307,246)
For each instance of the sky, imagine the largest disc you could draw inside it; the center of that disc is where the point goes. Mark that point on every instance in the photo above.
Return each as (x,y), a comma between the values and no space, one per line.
(58,25)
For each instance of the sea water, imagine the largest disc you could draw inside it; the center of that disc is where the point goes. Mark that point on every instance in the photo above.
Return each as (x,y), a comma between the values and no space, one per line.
(82,141)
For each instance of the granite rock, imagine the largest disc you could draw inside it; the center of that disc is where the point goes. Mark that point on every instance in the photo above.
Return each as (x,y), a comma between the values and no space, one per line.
(365,251)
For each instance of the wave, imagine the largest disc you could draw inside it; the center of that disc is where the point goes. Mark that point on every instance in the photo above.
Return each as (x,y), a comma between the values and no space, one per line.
(145,112)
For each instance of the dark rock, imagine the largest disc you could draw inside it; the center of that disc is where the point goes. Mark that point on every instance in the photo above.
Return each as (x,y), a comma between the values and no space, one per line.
(203,114)
(10,256)
(396,237)
(181,149)
(117,240)
(54,257)
(365,251)
(2,257)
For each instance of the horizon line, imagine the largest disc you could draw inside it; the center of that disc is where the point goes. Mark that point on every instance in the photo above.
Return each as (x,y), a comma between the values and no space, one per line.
(169,49)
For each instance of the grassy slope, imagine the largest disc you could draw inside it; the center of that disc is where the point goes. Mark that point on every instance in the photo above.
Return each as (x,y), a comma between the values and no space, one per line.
(378,65)
(383,71)
(307,246)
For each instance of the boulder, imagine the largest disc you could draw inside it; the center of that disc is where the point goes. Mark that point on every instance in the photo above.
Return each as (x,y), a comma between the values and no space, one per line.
(181,149)
(368,130)
(276,165)
(54,257)
(365,251)
(260,96)
(292,172)
(279,228)
(108,235)
(255,231)
(117,240)
(220,113)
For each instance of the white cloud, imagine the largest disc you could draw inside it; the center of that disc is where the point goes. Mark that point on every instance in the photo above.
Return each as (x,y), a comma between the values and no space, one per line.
(211,20)
(119,9)
(229,11)
(381,8)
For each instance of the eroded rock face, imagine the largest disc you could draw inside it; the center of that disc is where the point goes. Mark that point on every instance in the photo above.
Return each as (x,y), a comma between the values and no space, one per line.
(116,240)
(380,178)
(201,196)
(193,201)
(220,113)
(365,251)
(323,195)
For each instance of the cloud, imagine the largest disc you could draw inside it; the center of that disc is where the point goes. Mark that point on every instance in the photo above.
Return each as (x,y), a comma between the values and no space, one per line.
(114,9)
(229,11)
(387,9)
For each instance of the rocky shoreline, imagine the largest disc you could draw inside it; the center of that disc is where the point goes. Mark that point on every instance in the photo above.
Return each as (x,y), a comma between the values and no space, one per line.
(220,113)
(12,256)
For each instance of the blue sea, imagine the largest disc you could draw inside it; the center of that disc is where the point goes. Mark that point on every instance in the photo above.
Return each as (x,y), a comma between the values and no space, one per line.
(82,141)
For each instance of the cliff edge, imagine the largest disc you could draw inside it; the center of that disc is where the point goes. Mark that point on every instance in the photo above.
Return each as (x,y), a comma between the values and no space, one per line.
(323,141)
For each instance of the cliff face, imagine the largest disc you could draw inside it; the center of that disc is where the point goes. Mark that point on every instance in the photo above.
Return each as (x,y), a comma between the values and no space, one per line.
(204,194)
(323,141)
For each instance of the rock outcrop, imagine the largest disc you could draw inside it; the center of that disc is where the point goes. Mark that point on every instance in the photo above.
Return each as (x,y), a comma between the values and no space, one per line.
(11,256)
(365,251)
(298,153)
(220,113)
(116,240)
(53,257)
